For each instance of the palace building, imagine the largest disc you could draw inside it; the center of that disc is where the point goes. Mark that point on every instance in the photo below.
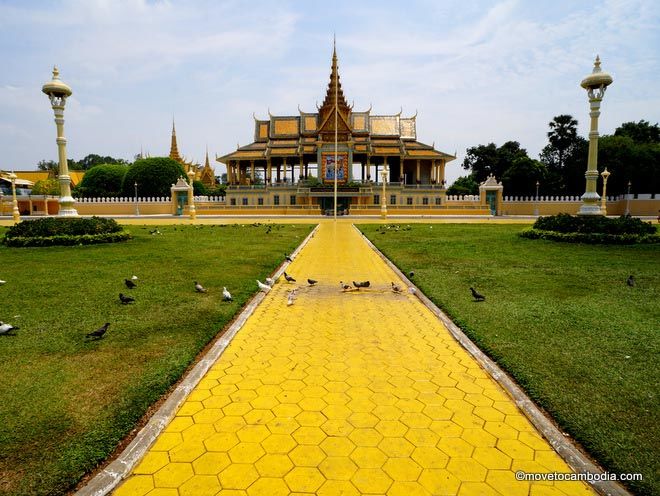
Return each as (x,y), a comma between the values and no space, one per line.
(204,174)
(291,161)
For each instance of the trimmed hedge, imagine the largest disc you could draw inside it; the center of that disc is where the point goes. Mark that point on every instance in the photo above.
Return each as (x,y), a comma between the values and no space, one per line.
(591,238)
(50,231)
(566,223)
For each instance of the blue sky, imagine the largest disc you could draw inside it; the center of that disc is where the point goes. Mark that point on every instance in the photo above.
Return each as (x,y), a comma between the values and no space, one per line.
(476,72)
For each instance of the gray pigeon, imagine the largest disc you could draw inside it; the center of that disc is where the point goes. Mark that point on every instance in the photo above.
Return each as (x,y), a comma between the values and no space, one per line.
(631,281)
(288,278)
(7,328)
(98,333)
(125,300)
(477,296)
(199,288)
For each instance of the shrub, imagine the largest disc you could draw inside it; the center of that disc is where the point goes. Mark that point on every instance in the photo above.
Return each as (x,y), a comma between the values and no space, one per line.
(565,223)
(591,238)
(154,176)
(200,189)
(51,231)
(103,180)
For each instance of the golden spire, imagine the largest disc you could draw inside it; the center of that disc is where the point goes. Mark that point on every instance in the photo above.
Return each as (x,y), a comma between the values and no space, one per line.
(206,163)
(335,95)
(174,149)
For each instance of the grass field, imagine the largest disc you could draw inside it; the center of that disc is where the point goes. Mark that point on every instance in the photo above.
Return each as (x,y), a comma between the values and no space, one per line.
(560,319)
(67,401)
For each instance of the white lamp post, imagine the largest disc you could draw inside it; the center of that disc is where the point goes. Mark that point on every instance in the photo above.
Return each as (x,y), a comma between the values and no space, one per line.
(191,197)
(595,83)
(383,200)
(536,206)
(58,92)
(628,199)
(603,201)
(137,205)
(15,212)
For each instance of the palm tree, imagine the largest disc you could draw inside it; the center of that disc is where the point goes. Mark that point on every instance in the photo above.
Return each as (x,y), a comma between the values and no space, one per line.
(562,134)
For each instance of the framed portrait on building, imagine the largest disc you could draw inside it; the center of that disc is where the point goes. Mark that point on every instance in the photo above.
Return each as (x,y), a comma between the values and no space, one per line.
(328,167)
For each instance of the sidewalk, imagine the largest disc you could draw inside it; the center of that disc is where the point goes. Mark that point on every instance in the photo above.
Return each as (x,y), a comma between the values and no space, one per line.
(362,392)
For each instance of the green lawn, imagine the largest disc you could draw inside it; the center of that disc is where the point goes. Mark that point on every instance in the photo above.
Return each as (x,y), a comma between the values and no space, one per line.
(66,401)
(559,318)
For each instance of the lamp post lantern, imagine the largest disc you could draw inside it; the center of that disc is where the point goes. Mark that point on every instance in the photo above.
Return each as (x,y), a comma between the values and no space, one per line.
(14,212)
(137,205)
(57,91)
(595,83)
(383,199)
(603,201)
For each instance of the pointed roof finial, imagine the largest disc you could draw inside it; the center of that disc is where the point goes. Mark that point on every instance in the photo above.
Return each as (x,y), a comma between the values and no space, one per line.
(174,149)
(56,72)
(206,163)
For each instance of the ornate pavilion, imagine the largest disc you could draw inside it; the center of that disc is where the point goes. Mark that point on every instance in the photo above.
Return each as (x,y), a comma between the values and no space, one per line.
(291,161)
(204,174)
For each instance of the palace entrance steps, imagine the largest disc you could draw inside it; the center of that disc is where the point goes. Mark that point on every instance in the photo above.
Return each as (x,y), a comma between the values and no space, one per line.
(346,393)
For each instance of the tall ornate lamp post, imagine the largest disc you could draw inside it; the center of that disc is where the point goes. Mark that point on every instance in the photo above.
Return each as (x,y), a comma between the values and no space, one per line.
(595,83)
(137,205)
(15,213)
(58,92)
(628,199)
(191,198)
(536,206)
(603,201)
(383,199)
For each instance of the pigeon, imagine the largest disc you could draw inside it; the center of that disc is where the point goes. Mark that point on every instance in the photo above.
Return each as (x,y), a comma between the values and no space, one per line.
(363,284)
(263,287)
(2,282)
(412,290)
(411,273)
(129,284)
(226,295)
(288,278)
(134,278)
(199,288)
(125,300)
(344,286)
(476,295)
(288,258)
(270,281)
(155,232)
(7,328)
(631,280)
(98,333)
(291,297)
(396,288)
(311,282)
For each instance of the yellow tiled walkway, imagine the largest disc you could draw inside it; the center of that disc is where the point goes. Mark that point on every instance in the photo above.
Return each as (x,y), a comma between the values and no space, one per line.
(346,393)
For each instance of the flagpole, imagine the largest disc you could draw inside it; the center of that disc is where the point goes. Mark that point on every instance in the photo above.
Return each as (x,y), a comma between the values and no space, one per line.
(336,111)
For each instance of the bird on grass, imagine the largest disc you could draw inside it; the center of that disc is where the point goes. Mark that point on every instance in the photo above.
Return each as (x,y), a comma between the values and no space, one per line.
(363,284)
(270,281)
(396,288)
(199,288)
(311,282)
(134,278)
(344,286)
(477,296)
(2,282)
(412,290)
(631,281)
(129,284)
(98,333)
(125,300)
(263,287)
(287,258)
(411,273)
(155,232)
(7,328)
(226,295)
(288,278)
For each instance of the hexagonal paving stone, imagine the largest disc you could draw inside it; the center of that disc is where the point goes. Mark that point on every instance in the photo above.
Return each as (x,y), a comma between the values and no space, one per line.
(253,433)
(311,418)
(337,446)
(430,457)
(456,447)
(402,469)
(371,480)
(246,452)
(492,458)
(268,486)
(391,428)
(274,465)
(278,443)
(229,424)
(422,437)
(238,476)
(286,410)
(173,474)
(186,452)
(309,435)
(478,438)
(363,419)
(467,469)
(396,447)
(337,468)
(368,457)
(401,488)
(200,484)
(152,462)
(504,481)
(211,463)
(222,441)
(365,437)
(137,485)
(439,481)
(258,416)
(304,479)
(515,449)
(337,488)
(337,427)
(282,425)
(307,456)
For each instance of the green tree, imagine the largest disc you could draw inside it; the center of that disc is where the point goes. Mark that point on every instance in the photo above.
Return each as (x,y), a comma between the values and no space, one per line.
(565,170)
(93,160)
(464,185)
(103,180)
(154,175)
(46,187)
(521,177)
(628,160)
(483,160)
(639,132)
(199,188)
(562,136)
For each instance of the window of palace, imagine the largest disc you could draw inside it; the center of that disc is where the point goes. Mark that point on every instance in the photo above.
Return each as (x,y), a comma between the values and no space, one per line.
(232,202)
(393,200)
(276,199)
(425,201)
(409,200)
(293,200)
(376,199)
(260,201)
(245,201)
(438,200)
